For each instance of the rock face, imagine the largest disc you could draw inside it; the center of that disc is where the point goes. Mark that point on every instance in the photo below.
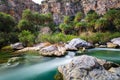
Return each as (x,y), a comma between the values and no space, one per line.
(59,8)
(90,68)
(76,43)
(15,7)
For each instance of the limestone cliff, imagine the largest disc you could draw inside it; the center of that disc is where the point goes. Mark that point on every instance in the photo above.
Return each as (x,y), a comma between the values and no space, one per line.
(59,8)
(15,7)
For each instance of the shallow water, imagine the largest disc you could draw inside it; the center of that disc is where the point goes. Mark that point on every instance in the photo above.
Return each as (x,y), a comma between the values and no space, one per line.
(44,68)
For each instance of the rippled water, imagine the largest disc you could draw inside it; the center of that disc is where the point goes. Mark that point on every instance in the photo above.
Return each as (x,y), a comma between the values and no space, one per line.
(44,68)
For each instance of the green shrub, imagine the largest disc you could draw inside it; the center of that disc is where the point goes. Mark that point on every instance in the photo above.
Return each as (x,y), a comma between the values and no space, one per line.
(91,16)
(26,37)
(25,25)
(66,19)
(117,24)
(7,22)
(81,27)
(64,27)
(54,38)
(111,14)
(78,17)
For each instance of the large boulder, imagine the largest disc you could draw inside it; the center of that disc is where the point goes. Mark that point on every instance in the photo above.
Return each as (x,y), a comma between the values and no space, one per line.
(53,50)
(76,43)
(111,45)
(90,68)
(17,45)
(116,41)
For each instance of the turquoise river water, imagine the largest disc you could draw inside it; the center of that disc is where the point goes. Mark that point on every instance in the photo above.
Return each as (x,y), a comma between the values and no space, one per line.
(44,68)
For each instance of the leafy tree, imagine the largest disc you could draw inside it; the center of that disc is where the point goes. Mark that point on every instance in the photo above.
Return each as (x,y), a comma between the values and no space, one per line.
(111,14)
(78,17)
(117,24)
(27,15)
(102,24)
(26,37)
(25,25)
(81,27)
(91,16)
(64,27)
(7,22)
(91,25)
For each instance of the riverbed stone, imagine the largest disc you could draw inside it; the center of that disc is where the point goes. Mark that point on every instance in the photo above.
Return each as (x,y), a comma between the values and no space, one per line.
(77,43)
(53,50)
(89,68)
(116,41)
(17,45)
(111,45)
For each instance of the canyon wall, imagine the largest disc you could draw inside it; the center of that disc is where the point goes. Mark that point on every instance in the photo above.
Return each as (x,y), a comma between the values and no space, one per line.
(59,8)
(16,7)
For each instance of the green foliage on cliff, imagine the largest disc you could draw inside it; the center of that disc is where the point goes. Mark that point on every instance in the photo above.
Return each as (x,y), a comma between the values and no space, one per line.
(102,24)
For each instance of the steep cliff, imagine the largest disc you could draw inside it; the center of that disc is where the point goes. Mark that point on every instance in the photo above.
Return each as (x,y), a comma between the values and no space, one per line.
(15,7)
(59,8)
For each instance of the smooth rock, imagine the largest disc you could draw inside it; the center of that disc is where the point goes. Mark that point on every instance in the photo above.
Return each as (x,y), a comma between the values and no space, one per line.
(76,43)
(89,68)
(53,50)
(17,45)
(111,45)
(116,41)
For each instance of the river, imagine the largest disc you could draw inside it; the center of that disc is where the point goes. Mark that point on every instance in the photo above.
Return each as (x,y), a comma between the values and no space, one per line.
(44,68)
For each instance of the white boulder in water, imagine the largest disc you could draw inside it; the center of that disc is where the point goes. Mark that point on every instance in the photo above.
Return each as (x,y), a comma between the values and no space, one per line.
(116,41)
(17,45)
(77,43)
(90,68)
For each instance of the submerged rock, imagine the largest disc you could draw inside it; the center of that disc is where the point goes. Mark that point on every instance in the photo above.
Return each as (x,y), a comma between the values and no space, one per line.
(76,43)
(90,68)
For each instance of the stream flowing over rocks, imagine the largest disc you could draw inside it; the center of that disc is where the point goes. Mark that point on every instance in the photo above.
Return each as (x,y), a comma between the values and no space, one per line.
(90,68)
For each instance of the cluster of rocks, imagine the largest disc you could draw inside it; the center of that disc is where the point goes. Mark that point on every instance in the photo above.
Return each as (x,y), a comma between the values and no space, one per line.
(114,43)
(47,49)
(90,68)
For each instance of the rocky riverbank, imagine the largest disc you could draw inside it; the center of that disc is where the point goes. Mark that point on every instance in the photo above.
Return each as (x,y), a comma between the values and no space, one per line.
(59,49)
(90,68)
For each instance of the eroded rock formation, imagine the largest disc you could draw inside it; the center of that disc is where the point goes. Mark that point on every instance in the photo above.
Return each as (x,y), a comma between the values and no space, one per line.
(16,7)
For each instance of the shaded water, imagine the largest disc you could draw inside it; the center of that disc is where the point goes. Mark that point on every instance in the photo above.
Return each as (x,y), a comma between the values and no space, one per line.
(44,68)
(105,53)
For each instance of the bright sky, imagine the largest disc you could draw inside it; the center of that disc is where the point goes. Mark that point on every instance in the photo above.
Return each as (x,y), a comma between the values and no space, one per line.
(37,1)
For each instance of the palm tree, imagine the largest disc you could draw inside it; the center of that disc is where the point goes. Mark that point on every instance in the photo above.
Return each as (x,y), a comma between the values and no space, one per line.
(101,24)
(81,27)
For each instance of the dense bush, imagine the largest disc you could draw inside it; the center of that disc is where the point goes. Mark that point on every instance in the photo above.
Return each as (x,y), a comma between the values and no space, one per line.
(54,38)
(91,16)
(27,38)
(78,17)
(102,24)
(81,27)
(7,22)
